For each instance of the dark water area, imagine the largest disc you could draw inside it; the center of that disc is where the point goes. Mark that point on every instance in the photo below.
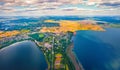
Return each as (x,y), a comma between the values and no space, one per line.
(98,50)
(22,56)
(108,19)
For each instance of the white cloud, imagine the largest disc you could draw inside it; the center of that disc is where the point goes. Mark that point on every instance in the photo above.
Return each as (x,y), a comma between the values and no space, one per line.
(53,7)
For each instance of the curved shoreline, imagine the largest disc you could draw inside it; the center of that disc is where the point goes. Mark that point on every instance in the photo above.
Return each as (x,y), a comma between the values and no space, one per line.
(73,58)
(29,48)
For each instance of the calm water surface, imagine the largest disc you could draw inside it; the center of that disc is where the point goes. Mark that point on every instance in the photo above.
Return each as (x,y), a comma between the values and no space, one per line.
(98,50)
(22,56)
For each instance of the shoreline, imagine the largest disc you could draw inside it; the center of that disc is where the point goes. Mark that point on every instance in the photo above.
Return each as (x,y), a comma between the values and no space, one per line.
(73,58)
(48,67)
(69,52)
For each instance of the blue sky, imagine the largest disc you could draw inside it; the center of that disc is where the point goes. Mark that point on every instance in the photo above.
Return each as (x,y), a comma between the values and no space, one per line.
(59,7)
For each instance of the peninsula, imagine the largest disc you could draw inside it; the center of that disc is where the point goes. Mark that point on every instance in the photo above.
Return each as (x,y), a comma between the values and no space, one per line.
(57,46)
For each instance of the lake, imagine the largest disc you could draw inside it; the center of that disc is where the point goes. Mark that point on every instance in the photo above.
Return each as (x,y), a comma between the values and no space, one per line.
(23,55)
(98,50)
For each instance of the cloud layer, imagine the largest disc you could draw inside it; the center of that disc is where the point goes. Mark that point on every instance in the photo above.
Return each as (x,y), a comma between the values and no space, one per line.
(59,7)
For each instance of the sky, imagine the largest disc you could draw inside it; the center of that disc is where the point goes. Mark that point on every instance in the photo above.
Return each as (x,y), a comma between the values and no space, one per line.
(59,7)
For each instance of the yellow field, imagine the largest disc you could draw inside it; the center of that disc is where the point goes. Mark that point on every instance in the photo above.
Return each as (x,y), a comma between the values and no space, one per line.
(49,21)
(72,26)
(9,33)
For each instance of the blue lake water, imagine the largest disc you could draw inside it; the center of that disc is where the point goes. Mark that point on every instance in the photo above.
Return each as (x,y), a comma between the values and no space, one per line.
(98,50)
(22,56)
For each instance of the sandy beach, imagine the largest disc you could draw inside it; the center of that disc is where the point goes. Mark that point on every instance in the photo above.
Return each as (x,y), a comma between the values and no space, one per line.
(73,58)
